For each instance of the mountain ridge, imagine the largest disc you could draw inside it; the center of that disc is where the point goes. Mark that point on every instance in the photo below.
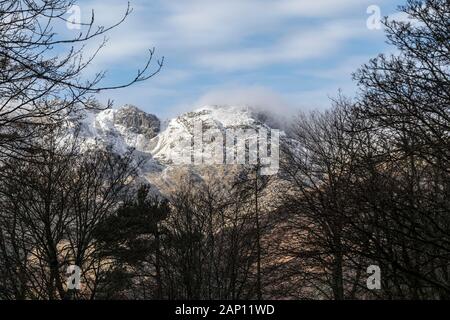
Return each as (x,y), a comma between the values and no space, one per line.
(129,127)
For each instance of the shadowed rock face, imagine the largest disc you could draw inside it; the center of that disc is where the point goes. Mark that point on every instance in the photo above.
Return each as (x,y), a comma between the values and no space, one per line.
(138,121)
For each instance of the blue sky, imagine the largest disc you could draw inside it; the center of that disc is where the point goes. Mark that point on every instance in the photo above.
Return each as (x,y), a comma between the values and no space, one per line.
(282,54)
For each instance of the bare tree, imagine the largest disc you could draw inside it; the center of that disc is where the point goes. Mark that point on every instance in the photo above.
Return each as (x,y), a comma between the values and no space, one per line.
(39,85)
(50,208)
(319,156)
(405,101)
(132,237)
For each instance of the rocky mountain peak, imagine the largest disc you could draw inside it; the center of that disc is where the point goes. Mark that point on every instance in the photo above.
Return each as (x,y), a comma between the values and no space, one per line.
(137,121)
(162,147)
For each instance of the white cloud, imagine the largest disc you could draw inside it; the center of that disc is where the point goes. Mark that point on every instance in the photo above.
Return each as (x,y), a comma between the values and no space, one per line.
(282,105)
(258,97)
(341,72)
(173,76)
(209,42)
(295,47)
(254,96)
(221,34)
(317,8)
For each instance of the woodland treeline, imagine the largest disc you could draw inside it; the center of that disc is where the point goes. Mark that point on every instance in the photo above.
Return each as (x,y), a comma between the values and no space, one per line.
(366,182)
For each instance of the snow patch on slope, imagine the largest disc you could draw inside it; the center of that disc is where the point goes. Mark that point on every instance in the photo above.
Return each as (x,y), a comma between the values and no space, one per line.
(100,128)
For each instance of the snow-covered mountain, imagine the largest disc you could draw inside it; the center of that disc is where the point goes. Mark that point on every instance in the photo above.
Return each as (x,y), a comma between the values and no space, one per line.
(129,127)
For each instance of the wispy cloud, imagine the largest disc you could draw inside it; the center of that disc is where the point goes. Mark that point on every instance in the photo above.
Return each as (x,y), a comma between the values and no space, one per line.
(297,46)
(207,32)
(207,43)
